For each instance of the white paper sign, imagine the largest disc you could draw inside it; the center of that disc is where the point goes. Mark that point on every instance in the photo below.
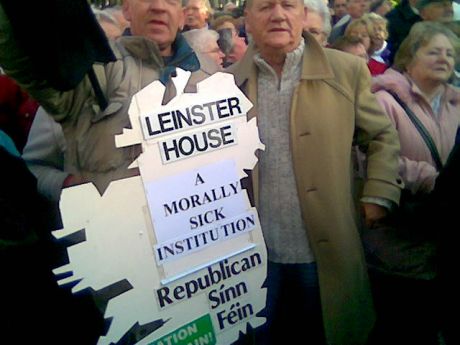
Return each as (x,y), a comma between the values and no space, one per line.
(190,115)
(201,197)
(188,243)
(197,142)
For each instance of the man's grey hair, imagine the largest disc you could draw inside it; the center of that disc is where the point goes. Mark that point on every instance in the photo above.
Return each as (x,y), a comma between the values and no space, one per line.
(104,16)
(200,39)
(114,10)
(205,3)
(318,6)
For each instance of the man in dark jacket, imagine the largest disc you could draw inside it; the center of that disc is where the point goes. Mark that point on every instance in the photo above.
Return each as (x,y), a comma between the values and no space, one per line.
(400,21)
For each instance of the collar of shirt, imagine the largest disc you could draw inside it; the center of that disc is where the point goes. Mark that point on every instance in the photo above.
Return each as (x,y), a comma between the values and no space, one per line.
(381,50)
(184,57)
(291,69)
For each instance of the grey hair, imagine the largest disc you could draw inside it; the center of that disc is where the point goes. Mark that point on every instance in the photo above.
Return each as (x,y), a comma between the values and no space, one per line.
(319,7)
(104,16)
(114,10)
(199,39)
(205,3)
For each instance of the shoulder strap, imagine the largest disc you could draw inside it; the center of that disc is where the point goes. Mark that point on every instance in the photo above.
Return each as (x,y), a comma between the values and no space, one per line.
(421,129)
(101,99)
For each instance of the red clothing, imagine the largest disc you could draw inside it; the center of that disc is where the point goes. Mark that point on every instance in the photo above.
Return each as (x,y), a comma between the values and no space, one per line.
(376,67)
(17,111)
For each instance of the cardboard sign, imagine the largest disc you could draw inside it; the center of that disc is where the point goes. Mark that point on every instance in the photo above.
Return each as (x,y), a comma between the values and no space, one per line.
(179,247)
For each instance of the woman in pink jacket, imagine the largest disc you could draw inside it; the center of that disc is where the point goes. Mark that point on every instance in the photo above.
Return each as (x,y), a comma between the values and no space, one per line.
(402,257)
(420,79)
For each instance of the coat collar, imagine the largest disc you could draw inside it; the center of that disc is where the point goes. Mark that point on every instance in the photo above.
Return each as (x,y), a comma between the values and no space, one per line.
(407,11)
(404,86)
(145,49)
(142,48)
(315,64)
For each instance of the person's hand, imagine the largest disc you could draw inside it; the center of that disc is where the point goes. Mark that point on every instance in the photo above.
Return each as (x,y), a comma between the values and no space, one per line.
(72,180)
(373,214)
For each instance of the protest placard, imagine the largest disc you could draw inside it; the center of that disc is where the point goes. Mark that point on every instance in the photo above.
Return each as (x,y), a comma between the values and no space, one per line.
(181,241)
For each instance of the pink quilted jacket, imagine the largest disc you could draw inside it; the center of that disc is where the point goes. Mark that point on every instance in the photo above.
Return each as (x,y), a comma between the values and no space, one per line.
(416,165)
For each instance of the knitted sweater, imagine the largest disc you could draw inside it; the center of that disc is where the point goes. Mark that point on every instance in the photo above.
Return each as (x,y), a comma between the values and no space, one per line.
(284,231)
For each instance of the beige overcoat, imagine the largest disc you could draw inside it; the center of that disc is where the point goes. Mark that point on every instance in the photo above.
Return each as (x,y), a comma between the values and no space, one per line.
(332,107)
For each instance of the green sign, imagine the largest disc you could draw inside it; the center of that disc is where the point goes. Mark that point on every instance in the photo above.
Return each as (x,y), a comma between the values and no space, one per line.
(197,332)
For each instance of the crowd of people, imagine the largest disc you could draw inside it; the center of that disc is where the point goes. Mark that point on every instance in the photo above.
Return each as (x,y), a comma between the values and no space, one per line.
(358,104)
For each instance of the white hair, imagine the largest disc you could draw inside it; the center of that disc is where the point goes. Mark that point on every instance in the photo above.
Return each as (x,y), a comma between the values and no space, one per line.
(104,16)
(319,7)
(200,39)
(206,4)
(229,6)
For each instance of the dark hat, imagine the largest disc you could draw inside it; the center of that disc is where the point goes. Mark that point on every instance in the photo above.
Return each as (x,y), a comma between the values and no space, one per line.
(423,3)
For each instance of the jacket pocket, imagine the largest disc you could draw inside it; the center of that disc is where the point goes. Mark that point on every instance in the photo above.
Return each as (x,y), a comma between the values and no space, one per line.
(96,148)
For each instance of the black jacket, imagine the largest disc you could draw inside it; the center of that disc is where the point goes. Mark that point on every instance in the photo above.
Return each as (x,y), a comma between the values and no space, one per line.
(400,21)
(62,38)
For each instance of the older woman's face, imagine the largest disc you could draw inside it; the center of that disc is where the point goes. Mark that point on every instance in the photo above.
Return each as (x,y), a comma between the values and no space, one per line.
(215,53)
(361,32)
(433,62)
(314,25)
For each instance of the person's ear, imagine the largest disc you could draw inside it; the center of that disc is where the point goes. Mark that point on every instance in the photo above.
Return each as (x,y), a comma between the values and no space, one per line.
(126,10)
(181,18)
(246,22)
(305,14)
(423,14)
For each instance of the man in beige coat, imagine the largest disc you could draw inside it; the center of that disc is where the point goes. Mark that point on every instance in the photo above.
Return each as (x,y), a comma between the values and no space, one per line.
(312,104)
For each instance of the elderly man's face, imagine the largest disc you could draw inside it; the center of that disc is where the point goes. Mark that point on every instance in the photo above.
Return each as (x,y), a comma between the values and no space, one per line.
(276,25)
(356,8)
(340,8)
(158,20)
(196,14)
(438,11)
